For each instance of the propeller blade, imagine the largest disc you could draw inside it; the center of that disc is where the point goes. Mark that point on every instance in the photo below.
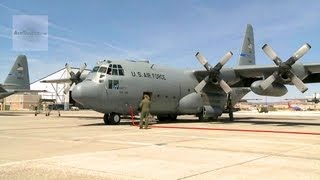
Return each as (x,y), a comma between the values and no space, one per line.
(201,85)
(298,54)
(203,61)
(223,61)
(298,83)
(83,67)
(201,58)
(267,82)
(226,58)
(67,89)
(68,68)
(226,88)
(271,54)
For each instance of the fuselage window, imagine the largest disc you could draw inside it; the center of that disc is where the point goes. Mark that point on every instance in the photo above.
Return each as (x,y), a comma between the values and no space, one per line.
(113,84)
(110,84)
(116,84)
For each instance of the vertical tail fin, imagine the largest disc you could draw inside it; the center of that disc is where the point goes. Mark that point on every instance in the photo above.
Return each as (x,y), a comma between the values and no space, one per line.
(247,54)
(18,78)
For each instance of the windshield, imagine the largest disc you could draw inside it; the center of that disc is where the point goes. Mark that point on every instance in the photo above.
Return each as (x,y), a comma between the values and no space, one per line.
(95,69)
(103,69)
(100,69)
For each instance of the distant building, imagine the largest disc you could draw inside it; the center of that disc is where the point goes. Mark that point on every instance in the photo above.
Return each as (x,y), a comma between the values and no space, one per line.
(21,102)
(54,92)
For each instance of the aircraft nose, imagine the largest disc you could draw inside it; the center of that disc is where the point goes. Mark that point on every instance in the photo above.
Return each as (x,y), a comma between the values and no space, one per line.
(85,93)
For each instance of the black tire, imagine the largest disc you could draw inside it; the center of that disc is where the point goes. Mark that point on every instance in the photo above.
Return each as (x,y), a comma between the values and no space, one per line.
(230,115)
(161,118)
(172,117)
(200,116)
(114,118)
(106,119)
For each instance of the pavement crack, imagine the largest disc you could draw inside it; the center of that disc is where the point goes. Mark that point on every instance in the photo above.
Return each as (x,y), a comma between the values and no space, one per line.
(224,167)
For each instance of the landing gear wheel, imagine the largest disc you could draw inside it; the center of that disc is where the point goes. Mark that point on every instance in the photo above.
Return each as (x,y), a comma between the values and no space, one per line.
(230,115)
(115,118)
(167,117)
(172,117)
(161,118)
(200,116)
(106,119)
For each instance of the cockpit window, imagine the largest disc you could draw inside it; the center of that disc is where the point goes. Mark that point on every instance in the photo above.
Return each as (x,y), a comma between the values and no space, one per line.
(121,72)
(103,69)
(109,70)
(115,69)
(95,69)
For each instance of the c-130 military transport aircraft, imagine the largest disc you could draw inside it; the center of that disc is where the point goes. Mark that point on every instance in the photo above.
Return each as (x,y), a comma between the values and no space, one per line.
(113,87)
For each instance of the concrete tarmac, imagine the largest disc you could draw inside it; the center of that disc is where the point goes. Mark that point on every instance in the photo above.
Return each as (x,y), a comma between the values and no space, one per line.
(78,145)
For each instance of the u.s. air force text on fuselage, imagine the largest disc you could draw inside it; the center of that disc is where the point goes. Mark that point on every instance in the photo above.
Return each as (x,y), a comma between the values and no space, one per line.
(148,75)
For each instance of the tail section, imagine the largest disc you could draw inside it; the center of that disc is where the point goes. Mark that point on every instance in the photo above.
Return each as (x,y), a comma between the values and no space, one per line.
(18,78)
(247,54)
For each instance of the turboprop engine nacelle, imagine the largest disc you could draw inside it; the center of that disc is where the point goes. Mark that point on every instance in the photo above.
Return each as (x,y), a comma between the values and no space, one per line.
(276,89)
(191,104)
(209,111)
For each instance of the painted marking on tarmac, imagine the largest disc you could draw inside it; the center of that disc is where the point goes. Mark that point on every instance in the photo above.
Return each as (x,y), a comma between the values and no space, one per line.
(241,140)
(239,130)
(130,143)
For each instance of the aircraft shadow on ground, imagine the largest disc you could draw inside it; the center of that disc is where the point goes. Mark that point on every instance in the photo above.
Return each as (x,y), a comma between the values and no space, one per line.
(15,113)
(247,120)
(276,123)
(81,117)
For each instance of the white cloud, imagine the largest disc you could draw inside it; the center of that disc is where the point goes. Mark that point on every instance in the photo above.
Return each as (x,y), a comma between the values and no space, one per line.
(70,41)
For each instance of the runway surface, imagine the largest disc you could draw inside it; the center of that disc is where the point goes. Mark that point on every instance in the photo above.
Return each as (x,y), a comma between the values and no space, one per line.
(78,145)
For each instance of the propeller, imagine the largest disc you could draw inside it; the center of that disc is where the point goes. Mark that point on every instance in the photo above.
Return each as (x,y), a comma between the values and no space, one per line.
(284,68)
(74,77)
(214,72)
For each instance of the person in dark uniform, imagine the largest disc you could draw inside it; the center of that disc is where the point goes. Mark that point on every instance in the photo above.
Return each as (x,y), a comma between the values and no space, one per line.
(145,111)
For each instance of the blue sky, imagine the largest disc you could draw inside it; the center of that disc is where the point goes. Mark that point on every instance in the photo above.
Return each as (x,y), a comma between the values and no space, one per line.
(164,32)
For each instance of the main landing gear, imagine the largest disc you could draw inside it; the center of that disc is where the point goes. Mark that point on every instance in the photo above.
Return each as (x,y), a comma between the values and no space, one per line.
(167,117)
(112,118)
(229,107)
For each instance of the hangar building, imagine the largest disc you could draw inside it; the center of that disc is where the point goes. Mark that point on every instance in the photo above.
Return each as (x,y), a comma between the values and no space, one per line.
(56,91)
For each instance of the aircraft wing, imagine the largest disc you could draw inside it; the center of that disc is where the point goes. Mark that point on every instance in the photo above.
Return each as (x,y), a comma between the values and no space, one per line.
(2,89)
(314,73)
(266,70)
(59,81)
(251,73)
(248,73)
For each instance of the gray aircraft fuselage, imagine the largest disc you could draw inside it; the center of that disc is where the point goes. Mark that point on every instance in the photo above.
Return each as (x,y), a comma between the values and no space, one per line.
(112,87)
